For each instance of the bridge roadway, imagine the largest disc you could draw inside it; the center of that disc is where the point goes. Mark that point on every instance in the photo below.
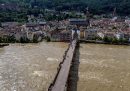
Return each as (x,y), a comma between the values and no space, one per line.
(60,81)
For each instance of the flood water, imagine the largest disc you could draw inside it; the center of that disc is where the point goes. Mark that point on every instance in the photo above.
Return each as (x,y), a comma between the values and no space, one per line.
(32,67)
(104,68)
(29,67)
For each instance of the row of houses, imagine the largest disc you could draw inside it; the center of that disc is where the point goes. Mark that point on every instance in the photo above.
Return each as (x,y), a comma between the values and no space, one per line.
(27,31)
(64,30)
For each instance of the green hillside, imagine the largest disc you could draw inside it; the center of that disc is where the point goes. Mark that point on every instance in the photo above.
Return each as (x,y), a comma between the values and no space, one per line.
(97,6)
(17,10)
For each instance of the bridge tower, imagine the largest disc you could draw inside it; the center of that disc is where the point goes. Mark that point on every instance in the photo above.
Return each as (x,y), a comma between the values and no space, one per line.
(75,33)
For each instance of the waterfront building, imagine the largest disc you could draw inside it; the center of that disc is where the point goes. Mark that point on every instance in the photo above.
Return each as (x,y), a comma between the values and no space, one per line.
(82,33)
(119,35)
(91,34)
(34,30)
(100,35)
(60,35)
(110,34)
(127,36)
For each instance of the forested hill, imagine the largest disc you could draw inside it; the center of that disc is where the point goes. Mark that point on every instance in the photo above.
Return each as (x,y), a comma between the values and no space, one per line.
(97,6)
(17,10)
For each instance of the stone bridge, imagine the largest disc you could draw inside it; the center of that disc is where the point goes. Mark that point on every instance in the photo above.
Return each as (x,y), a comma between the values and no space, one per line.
(68,69)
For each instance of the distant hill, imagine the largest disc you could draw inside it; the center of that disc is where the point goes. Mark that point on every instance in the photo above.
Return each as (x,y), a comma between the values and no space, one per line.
(96,6)
(17,10)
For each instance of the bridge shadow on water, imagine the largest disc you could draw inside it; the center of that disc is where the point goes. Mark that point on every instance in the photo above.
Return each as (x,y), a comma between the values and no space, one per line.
(73,76)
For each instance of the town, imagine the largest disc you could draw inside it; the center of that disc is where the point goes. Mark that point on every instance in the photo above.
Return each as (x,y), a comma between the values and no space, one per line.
(64,45)
(97,29)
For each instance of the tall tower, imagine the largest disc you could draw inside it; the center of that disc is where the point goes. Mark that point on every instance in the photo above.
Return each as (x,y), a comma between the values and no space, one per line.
(88,15)
(114,12)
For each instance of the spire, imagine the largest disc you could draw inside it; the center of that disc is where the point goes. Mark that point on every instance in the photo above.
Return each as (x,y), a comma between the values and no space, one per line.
(87,15)
(87,12)
(114,11)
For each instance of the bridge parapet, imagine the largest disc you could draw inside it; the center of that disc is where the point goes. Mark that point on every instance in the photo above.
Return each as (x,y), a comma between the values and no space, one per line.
(60,80)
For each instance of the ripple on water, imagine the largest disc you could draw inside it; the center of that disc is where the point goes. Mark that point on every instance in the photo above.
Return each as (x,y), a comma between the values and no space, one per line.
(52,59)
(41,73)
(93,76)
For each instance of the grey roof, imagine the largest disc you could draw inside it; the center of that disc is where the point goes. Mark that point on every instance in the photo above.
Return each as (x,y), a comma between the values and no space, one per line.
(9,24)
(42,23)
(78,22)
(77,19)
(33,24)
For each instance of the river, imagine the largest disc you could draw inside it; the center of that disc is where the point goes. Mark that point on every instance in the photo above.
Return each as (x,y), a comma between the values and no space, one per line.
(29,67)
(32,67)
(104,68)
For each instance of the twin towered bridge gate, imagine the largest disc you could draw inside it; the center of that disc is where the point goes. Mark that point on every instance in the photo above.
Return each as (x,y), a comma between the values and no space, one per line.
(61,78)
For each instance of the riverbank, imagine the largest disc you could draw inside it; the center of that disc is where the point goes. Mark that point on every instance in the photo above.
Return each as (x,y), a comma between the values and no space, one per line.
(102,42)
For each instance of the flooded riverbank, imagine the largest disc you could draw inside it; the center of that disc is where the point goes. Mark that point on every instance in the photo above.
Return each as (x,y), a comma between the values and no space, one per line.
(104,68)
(29,67)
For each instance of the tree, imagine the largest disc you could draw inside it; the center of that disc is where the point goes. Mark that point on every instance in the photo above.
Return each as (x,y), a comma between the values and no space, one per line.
(47,38)
(1,39)
(11,39)
(35,39)
(107,39)
(115,40)
(35,7)
(121,40)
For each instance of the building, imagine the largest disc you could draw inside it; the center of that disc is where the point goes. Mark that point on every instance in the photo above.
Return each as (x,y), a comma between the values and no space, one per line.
(10,24)
(37,26)
(60,35)
(127,36)
(100,35)
(79,22)
(13,32)
(34,30)
(119,35)
(82,33)
(91,34)
(109,34)
(127,21)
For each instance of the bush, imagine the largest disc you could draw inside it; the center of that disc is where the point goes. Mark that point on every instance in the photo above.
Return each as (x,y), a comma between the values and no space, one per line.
(115,40)
(24,40)
(107,39)
(48,39)
(11,39)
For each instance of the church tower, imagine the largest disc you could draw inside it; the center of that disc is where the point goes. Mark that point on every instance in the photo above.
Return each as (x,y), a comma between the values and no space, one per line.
(114,12)
(88,15)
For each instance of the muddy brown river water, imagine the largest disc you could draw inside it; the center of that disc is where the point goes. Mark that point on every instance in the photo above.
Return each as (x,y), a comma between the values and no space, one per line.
(29,67)
(32,67)
(104,68)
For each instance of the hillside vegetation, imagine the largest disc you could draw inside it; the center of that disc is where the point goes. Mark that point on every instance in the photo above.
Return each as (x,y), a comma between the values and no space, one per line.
(11,10)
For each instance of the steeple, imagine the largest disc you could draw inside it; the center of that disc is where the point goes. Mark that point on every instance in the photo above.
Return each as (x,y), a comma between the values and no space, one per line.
(88,15)
(114,11)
